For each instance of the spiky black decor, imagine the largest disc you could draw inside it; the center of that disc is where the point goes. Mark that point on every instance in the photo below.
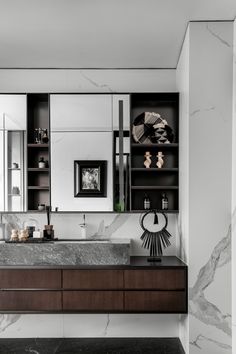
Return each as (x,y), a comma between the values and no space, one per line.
(155,240)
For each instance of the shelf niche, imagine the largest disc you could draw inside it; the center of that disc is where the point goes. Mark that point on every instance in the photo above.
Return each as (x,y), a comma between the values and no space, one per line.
(38,180)
(155,181)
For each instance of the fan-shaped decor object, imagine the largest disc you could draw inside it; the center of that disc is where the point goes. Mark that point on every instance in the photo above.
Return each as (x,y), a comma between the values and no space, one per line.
(150,127)
(155,240)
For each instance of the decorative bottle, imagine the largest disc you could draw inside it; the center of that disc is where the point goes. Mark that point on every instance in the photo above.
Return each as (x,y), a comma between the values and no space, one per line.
(146,202)
(42,163)
(164,202)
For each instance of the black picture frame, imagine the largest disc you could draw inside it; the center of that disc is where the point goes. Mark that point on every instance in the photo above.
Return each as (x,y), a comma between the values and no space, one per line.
(90,178)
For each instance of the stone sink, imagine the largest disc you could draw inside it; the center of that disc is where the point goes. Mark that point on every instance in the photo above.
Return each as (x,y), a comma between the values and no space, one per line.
(66,252)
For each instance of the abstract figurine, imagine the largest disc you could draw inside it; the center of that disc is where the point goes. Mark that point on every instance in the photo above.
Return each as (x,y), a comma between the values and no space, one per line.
(160,161)
(147,161)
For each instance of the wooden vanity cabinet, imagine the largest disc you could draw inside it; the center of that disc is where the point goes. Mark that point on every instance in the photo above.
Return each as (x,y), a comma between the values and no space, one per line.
(138,287)
(30,290)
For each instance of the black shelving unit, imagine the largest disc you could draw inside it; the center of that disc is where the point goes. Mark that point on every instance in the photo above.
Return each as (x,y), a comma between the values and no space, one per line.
(155,181)
(38,179)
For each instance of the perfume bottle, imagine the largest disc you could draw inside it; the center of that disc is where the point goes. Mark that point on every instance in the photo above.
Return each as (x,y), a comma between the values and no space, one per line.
(146,202)
(164,202)
(45,136)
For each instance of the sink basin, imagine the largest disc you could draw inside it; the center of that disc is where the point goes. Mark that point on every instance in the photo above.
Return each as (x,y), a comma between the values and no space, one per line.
(67,252)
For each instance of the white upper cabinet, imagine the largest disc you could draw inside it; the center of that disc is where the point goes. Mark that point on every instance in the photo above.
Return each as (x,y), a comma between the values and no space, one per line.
(13,112)
(125,99)
(81,112)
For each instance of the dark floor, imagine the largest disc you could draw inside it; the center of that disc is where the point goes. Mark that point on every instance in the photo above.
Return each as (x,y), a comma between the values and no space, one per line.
(92,346)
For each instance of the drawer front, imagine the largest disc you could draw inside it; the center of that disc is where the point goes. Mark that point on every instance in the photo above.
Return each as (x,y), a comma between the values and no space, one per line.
(92,279)
(30,279)
(164,279)
(155,301)
(30,301)
(93,300)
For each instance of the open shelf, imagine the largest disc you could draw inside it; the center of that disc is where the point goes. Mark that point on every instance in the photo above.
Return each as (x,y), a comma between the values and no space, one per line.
(38,146)
(153,182)
(152,146)
(38,179)
(154,187)
(36,169)
(38,187)
(143,169)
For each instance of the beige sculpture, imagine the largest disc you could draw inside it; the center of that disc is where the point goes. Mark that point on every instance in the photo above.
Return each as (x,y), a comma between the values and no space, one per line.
(160,161)
(147,161)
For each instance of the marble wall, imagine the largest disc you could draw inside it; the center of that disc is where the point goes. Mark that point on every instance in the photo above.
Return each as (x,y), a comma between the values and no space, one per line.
(206,89)
(233,206)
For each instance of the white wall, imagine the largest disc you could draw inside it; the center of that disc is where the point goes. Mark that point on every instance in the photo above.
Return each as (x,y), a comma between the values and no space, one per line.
(159,80)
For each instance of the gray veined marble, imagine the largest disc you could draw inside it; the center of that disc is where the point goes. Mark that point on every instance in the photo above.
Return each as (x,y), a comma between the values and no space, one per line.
(217,36)
(199,306)
(7,320)
(91,81)
(66,253)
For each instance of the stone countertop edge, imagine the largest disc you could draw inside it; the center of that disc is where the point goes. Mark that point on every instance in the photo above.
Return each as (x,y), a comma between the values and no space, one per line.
(136,262)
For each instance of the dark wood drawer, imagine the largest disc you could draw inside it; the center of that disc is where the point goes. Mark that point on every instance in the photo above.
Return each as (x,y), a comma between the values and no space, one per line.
(92,279)
(89,301)
(155,301)
(30,300)
(164,279)
(30,279)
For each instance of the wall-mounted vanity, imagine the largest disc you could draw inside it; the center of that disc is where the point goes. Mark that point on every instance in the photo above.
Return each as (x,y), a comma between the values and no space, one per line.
(51,131)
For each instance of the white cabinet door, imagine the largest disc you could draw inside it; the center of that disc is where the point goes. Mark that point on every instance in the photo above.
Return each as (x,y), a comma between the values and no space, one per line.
(13,111)
(81,112)
(2,172)
(125,99)
(65,149)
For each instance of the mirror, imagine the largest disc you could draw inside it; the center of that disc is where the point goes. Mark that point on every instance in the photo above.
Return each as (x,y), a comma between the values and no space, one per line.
(12,152)
(89,127)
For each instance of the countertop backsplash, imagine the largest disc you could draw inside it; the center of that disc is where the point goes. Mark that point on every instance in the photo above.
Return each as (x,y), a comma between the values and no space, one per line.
(114,226)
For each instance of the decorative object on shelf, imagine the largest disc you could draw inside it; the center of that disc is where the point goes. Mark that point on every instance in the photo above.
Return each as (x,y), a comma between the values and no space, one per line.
(15,190)
(48,232)
(23,235)
(45,136)
(150,127)
(146,202)
(15,165)
(90,178)
(37,234)
(160,161)
(147,161)
(164,202)
(14,235)
(155,240)
(42,162)
(41,207)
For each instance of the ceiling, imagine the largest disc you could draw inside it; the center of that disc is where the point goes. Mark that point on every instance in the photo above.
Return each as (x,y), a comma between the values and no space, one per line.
(100,33)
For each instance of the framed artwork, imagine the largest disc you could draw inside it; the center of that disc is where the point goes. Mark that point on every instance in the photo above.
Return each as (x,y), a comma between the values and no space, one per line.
(90,178)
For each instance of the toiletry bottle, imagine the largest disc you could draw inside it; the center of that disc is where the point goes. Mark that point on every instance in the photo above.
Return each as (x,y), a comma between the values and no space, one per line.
(164,202)
(45,136)
(146,202)
(42,163)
